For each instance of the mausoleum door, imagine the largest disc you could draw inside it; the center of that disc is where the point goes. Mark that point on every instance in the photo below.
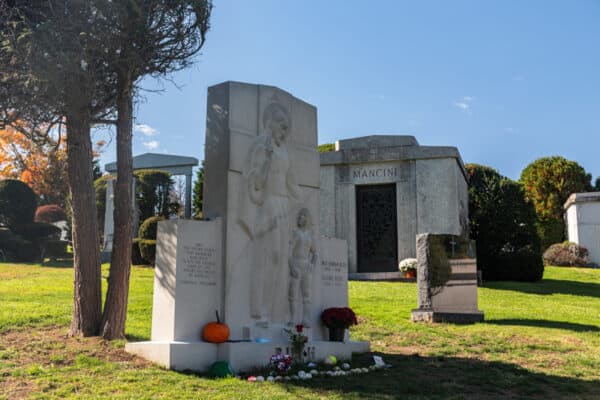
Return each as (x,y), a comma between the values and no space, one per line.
(376,228)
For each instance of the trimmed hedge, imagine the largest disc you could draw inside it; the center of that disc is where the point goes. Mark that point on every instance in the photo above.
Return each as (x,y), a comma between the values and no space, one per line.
(567,254)
(149,227)
(54,249)
(136,256)
(18,249)
(37,230)
(148,250)
(17,203)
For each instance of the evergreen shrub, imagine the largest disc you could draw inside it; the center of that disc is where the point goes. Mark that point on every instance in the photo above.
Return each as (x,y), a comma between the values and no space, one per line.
(18,203)
(503,224)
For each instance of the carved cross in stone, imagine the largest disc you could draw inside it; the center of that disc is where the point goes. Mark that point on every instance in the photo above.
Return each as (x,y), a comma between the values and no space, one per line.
(453,243)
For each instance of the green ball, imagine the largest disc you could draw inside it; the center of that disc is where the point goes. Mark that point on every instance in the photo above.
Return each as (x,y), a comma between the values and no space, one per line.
(221,369)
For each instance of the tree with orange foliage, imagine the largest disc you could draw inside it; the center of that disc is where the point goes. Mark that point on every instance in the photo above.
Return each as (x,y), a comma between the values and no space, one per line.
(42,165)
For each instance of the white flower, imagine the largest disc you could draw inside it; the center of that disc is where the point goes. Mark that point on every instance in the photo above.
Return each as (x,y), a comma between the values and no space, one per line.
(83,65)
(407,263)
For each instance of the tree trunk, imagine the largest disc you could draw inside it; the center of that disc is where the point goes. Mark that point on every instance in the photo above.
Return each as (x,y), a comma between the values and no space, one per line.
(115,306)
(87,293)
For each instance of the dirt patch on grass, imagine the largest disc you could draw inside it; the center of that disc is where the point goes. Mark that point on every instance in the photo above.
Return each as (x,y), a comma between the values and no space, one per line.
(23,352)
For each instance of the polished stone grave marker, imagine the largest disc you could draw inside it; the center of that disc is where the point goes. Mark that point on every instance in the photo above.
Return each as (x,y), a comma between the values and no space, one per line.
(446,280)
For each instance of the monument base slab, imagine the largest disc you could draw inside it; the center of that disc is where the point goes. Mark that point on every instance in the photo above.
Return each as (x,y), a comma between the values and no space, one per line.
(180,356)
(420,315)
(242,356)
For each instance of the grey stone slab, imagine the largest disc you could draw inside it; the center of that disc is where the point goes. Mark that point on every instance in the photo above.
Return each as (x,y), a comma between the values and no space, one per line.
(437,197)
(419,315)
(367,142)
(406,199)
(398,153)
(379,276)
(155,160)
(446,279)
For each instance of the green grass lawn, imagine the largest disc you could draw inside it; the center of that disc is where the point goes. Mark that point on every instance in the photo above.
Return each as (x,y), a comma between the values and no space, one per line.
(539,340)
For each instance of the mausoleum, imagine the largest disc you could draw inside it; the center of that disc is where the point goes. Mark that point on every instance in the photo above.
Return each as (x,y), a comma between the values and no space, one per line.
(378,192)
(582,214)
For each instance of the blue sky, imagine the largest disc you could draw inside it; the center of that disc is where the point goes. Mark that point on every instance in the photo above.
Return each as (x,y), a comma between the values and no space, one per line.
(504,81)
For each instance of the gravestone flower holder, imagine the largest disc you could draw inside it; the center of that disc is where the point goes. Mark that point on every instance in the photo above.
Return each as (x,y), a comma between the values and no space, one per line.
(297,342)
(336,334)
(409,267)
(338,319)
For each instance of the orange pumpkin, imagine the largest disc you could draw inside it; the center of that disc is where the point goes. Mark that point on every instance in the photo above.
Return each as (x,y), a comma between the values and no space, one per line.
(215,332)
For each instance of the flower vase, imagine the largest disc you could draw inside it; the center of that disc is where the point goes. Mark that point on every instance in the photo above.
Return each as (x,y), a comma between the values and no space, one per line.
(410,274)
(336,334)
(298,355)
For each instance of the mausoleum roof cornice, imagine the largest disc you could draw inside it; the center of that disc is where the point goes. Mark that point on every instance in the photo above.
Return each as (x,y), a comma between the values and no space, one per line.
(391,153)
(155,160)
(582,198)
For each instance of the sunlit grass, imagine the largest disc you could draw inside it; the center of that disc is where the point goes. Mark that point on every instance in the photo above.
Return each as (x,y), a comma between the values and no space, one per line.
(539,340)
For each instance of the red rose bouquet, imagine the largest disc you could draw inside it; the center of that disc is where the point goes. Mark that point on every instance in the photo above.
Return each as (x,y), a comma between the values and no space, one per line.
(339,317)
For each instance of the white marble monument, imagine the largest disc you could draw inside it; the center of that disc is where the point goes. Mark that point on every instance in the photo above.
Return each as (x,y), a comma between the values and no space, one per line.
(582,215)
(269,269)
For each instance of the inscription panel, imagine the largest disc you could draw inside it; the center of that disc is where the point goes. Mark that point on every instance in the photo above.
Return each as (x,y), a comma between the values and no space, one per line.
(199,265)
(361,174)
(333,273)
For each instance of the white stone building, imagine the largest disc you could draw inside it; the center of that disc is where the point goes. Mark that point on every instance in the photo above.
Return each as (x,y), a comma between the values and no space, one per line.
(379,192)
(582,213)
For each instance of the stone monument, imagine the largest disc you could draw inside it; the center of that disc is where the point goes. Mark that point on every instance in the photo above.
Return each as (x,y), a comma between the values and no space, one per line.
(258,258)
(582,217)
(446,280)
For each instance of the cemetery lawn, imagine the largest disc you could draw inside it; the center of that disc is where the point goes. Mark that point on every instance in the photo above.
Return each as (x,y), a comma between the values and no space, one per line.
(539,340)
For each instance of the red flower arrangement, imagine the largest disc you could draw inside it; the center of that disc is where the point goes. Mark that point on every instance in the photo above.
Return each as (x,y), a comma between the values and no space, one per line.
(339,317)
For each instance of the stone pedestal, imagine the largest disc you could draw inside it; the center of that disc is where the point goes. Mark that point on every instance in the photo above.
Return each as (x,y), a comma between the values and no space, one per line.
(187,291)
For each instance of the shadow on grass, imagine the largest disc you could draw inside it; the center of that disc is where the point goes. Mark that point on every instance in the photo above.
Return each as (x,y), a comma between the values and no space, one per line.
(61,263)
(136,338)
(549,286)
(443,377)
(543,323)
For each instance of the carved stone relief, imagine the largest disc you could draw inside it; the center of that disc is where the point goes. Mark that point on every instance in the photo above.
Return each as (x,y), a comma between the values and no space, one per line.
(265,207)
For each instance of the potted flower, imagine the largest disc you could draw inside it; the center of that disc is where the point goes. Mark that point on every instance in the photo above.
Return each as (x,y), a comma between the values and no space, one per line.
(297,342)
(409,267)
(338,319)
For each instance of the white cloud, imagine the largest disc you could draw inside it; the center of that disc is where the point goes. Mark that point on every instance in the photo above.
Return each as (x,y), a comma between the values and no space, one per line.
(462,105)
(510,130)
(465,103)
(146,130)
(151,145)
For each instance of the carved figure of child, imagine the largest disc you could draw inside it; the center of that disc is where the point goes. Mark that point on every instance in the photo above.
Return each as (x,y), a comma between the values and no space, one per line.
(301,262)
